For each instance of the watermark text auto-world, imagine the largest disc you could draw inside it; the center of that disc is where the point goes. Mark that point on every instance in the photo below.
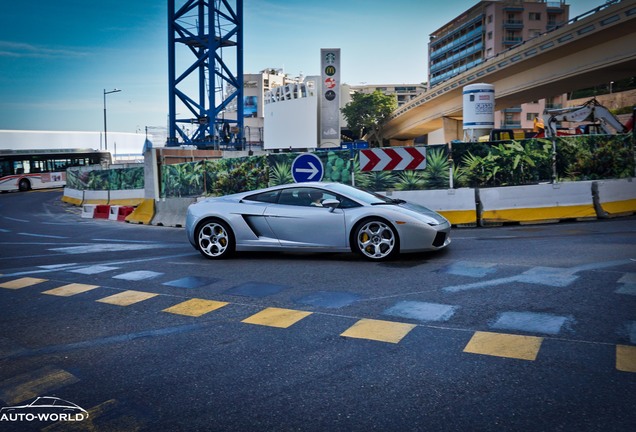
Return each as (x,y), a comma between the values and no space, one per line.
(44,417)
(44,409)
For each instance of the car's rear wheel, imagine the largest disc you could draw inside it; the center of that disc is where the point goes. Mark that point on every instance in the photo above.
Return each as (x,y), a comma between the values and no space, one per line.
(215,239)
(376,240)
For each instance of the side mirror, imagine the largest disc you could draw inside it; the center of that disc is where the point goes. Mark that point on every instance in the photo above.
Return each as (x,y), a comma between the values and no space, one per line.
(331,204)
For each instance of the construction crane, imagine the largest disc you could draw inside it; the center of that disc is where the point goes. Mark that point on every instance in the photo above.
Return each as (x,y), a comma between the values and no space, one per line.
(205,76)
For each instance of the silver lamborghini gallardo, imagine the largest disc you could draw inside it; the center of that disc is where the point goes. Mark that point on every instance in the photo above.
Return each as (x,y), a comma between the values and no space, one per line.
(314,217)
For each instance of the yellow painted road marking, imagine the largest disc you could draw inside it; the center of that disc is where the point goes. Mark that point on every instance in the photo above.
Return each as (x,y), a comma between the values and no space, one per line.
(276,317)
(70,289)
(626,358)
(195,307)
(383,331)
(22,283)
(37,383)
(504,345)
(127,298)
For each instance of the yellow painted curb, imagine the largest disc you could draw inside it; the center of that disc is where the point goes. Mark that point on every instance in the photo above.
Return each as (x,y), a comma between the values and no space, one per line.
(620,207)
(96,201)
(459,217)
(539,214)
(70,200)
(144,212)
(127,202)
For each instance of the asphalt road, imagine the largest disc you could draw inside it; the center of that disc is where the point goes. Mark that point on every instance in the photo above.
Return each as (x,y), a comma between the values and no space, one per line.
(512,328)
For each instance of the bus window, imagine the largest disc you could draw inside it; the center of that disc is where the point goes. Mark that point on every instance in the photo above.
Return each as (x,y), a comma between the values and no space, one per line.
(21,167)
(5,168)
(38,166)
(60,164)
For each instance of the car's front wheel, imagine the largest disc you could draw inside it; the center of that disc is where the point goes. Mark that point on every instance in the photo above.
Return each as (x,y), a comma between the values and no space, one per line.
(376,240)
(215,239)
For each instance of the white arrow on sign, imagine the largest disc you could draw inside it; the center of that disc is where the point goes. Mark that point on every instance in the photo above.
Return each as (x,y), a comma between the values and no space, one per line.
(313,170)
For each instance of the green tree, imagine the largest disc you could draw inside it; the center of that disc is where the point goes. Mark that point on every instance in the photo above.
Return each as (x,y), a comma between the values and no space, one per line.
(366,113)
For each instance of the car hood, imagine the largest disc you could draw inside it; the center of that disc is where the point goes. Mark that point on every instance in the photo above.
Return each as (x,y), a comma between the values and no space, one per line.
(429,216)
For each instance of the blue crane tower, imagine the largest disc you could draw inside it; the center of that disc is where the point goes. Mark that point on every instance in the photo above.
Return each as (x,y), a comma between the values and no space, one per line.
(205,61)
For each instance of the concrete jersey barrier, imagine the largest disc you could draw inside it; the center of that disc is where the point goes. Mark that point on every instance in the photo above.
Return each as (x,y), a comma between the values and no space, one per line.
(541,203)
(616,197)
(537,203)
(171,211)
(456,205)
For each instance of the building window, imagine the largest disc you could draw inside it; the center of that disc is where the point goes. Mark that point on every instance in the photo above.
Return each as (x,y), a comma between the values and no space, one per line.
(534,16)
(489,19)
(531,116)
(489,35)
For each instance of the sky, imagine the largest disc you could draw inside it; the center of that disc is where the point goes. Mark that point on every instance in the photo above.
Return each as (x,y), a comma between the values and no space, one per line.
(58,57)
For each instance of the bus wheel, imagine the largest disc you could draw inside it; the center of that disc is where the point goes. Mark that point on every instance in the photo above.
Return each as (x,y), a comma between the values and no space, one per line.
(24,185)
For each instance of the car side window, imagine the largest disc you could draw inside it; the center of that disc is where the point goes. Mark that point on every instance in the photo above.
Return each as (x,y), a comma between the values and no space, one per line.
(266,197)
(295,197)
(346,203)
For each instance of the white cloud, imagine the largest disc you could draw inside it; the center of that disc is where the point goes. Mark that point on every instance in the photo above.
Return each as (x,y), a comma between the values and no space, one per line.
(20,49)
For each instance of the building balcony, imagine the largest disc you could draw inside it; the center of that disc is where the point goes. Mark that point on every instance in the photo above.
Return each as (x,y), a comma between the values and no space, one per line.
(510,41)
(513,24)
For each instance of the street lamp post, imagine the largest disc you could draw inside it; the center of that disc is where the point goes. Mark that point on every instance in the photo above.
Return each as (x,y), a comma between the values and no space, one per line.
(105,132)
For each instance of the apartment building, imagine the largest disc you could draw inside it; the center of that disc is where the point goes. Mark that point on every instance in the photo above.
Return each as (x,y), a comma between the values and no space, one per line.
(403,92)
(484,31)
(255,86)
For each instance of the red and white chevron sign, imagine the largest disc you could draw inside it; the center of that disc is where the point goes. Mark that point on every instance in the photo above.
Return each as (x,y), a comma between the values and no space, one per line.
(393,159)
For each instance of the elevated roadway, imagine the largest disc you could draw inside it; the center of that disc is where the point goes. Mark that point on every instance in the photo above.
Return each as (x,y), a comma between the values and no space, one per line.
(597,48)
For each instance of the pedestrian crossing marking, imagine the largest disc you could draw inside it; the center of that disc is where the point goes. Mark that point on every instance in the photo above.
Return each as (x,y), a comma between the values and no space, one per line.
(485,343)
(378,330)
(32,384)
(626,358)
(276,317)
(22,283)
(126,298)
(70,289)
(195,307)
(504,345)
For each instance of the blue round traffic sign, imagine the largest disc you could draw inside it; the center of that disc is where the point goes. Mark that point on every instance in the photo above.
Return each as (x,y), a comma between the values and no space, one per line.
(307,167)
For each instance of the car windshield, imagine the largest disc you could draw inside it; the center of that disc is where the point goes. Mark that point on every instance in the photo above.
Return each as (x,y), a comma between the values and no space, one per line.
(362,195)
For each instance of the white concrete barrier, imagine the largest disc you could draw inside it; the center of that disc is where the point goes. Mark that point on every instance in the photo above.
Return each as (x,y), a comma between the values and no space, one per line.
(96,196)
(537,203)
(171,211)
(456,205)
(617,197)
(131,197)
(73,196)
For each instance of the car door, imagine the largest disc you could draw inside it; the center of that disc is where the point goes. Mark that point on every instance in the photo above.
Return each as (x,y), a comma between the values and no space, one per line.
(298,223)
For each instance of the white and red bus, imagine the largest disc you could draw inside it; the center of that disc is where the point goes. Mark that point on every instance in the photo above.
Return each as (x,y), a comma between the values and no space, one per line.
(41,169)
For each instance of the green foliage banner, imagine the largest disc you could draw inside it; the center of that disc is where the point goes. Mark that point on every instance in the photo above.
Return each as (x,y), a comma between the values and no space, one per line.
(473,165)
(214,177)
(109,179)
(505,163)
